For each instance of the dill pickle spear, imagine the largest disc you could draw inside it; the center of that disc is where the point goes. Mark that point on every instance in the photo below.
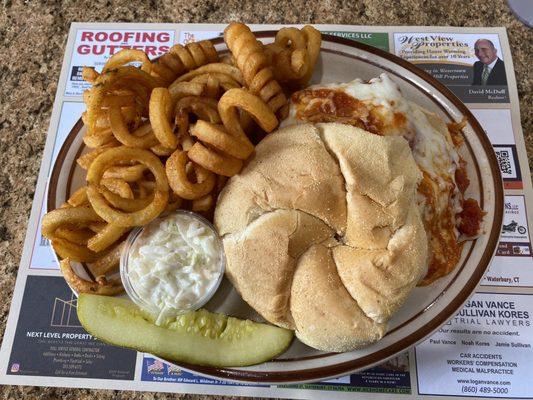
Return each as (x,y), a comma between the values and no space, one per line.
(199,337)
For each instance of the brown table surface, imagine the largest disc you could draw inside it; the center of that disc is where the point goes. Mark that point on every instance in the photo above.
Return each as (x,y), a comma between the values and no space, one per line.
(33,37)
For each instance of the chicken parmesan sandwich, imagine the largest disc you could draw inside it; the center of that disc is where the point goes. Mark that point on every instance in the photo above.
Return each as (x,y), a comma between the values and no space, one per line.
(343,211)
(378,107)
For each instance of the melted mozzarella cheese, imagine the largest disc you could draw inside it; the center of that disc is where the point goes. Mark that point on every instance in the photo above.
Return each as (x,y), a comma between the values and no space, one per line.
(432,147)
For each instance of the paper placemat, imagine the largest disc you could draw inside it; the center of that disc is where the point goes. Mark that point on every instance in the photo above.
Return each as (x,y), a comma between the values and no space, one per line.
(484,351)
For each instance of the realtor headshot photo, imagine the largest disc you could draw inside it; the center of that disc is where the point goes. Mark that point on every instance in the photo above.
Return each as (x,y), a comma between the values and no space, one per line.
(490,69)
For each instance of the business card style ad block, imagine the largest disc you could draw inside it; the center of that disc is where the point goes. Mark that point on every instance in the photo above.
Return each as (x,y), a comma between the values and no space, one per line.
(486,350)
(470,64)
(498,126)
(50,341)
(513,263)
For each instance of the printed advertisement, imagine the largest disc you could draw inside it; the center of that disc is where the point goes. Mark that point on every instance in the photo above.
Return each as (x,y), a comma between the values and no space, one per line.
(93,47)
(499,128)
(50,341)
(485,351)
(470,65)
(390,377)
(376,39)
(513,263)
(155,370)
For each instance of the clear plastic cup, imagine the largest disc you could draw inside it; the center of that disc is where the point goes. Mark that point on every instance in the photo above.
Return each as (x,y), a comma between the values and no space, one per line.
(130,245)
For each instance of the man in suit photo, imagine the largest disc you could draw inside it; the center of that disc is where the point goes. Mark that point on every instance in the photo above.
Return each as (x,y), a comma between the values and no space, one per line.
(490,69)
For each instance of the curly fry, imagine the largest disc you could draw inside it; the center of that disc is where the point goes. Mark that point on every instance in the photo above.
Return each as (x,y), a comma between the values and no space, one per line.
(74,216)
(291,38)
(162,72)
(252,61)
(227,59)
(88,74)
(207,85)
(99,137)
(289,65)
(180,59)
(212,87)
(161,150)
(118,186)
(203,204)
(142,96)
(102,286)
(79,197)
(294,53)
(120,203)
(211,160)
(129,173)
(182,89)
(107,263)
(194,55)
(219,139)
(106,237)
(217,68)
(108,81)
(172,63)
(127,56)
(160,116)
(179,182)
(124,100)
(113,157)
(253,105)
(122,133)
(77,236)
(67,249)
(85,160)
(97,226)
(290,48)
(226,82)
(204,108)
(313,39)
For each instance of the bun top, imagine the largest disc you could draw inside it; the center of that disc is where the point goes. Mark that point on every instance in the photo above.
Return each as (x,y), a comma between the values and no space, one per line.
(291,169)
(322,233)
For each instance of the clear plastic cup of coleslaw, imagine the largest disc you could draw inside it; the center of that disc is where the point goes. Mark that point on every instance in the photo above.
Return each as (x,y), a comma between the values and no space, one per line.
(172,265)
